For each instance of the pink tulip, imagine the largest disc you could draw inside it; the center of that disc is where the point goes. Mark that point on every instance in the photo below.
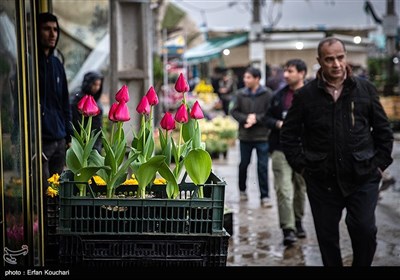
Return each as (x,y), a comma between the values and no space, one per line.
(81,103)
(152,96)
(167,122)
(122,112)
(181,85)
(196,112)
(143,107)
(181,115)
(90,107)
(112,112)
(123,94)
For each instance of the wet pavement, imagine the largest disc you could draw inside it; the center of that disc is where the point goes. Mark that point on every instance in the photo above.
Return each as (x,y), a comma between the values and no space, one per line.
(257,238)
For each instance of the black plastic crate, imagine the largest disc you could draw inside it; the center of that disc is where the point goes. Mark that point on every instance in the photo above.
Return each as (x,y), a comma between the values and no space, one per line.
(143,250)
(158,215)
(52,211)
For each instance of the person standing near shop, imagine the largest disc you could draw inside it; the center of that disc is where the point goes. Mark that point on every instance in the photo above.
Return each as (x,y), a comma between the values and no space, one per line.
(54,98)
(337,135)
(55,115)
(92,84)
(289,185)
(226,90)
(249,109)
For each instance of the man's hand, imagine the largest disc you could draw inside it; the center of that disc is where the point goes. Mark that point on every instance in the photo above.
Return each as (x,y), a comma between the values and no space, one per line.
(250,121)
(279,124)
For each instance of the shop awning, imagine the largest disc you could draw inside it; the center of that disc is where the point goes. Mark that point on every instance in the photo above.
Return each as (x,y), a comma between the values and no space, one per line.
(213,48)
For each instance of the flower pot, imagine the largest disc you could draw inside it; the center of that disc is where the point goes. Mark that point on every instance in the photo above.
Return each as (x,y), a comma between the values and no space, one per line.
(157,215)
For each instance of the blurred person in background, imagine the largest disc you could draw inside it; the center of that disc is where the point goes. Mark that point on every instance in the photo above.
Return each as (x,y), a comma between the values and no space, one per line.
(276,80)
(226,90)
(249,110)
(289,185)
(92,84)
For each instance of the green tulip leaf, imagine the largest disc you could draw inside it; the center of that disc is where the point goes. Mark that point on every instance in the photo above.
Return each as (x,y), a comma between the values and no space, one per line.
(198,166)
(72,161)
(95,159)
(172,185)
(149,147)
(89,146)
(85,173)
(172,191)
(196,142)
(148,170)
(188,130)
(163,139)
(77,150)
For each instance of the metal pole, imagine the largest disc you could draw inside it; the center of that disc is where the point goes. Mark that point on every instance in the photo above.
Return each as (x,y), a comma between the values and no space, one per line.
(165,70)
(390,22)
(256,42)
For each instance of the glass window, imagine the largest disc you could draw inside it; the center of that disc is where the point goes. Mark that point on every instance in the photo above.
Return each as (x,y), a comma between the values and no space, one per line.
(10,133)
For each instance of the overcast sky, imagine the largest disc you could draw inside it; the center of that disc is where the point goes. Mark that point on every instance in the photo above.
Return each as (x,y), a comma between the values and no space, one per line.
(228,14)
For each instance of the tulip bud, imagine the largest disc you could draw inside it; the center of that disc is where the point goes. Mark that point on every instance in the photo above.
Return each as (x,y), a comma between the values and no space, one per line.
(123,94)
(122,112)
(181,115)
(167,122)
(143,107)
(196,112)
(181,85)
(90,107)
(81,103)
(111,113)
(152,96)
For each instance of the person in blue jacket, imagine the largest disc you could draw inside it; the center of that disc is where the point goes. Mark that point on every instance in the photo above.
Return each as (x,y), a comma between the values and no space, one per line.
(54,98)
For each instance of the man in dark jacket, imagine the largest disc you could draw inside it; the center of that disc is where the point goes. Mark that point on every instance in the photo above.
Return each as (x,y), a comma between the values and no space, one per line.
(54,98)
(92,84)
(337,135)
(289,185)
(249,110)
(55,109)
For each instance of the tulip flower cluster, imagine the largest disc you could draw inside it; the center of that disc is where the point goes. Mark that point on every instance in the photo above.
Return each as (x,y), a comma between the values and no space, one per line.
(187,151)
(116,166)
(81,158)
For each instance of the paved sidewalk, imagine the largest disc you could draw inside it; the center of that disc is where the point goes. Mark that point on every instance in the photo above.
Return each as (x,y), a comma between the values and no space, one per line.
(257,238)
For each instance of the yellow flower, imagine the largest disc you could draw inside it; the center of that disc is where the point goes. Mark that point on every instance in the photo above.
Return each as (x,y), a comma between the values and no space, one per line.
(99,181)
(53,180)
(160,181)
(130,182)
(54,184)
(133,181)
(52,192)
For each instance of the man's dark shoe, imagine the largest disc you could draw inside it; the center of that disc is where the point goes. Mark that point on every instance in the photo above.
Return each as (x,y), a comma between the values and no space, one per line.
(289,237)
(300,233)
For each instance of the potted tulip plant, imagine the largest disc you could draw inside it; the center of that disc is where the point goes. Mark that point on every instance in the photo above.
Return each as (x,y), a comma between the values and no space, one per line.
(139,221)
(176,207)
